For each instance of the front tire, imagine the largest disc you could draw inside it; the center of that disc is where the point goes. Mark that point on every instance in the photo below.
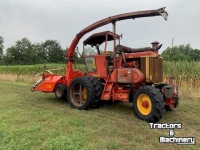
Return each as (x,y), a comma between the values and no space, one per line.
(148,103)
(60,91)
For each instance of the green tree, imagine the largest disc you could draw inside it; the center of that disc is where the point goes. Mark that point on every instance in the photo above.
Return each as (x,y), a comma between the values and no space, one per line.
(1,49)
(25,53)
(181,53)
(25,47)
(22,53)
(77,57)
(166,54)
(181,57)
(53,51)
(39,56)
(195,55)
(13,56)
(7,60)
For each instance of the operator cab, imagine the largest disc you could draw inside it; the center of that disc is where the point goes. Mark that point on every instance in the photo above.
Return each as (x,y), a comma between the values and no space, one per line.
(98,52)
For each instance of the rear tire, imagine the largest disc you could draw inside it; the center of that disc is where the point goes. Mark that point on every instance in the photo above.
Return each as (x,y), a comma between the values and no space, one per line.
(148,103)
(98,86)
(60,91)
(84,93)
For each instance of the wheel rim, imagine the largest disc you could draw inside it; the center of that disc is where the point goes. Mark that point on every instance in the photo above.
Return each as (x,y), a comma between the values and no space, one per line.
(59,92)
(144,104)
(78,94)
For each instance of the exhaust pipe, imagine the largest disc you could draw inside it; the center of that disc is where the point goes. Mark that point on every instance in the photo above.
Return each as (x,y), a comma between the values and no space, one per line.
(155,47)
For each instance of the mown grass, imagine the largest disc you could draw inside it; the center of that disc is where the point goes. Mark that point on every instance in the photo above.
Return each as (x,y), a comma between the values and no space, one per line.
(34,120)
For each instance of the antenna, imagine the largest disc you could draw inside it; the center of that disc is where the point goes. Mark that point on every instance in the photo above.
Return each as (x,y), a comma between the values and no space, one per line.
(171,56)
(171,78)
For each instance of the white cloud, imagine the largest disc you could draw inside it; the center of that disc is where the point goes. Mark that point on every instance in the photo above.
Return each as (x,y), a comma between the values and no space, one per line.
(61,20)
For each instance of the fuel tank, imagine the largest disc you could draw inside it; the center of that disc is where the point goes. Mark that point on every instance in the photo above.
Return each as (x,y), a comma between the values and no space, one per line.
(127,75)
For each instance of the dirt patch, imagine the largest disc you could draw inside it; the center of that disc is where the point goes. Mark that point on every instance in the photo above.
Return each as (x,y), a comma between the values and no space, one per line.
(18,77)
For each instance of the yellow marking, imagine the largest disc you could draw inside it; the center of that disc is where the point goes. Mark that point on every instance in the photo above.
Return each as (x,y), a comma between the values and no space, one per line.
(84,94)
(141,99)
(96,75)
(48,86)
(147,69)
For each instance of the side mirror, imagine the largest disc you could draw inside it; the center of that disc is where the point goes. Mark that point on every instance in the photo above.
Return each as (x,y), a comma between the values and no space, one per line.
(77,50)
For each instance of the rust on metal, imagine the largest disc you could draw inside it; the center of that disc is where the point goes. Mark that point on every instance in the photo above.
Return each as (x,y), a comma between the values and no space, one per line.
(145,104)
(99,38)
(152,67)
(120,48)
(155,44)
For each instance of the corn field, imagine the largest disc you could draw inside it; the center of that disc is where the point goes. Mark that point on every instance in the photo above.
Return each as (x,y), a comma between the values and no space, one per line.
(28,69)
(185,73)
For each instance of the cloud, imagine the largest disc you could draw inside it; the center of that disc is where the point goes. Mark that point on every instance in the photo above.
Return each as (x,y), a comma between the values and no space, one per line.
(61,20)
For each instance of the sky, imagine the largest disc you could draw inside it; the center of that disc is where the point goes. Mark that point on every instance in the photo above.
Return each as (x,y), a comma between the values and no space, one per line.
(61,20)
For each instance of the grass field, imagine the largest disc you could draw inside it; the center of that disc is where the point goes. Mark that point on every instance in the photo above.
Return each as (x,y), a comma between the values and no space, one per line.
(34,120)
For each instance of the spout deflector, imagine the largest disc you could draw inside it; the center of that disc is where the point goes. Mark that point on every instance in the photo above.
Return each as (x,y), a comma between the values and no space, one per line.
(163,13)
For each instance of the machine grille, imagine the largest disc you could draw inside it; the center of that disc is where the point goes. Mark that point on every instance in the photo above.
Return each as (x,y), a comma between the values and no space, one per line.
(152,68)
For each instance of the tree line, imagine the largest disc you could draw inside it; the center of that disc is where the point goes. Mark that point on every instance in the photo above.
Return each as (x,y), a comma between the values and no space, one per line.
(23,52)
(181,53)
